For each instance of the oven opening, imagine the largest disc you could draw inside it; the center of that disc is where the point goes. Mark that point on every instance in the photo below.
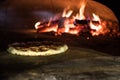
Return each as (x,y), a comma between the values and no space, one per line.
(59,39)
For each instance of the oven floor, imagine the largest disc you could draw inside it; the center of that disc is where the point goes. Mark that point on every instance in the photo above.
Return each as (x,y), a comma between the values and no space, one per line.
(76,63)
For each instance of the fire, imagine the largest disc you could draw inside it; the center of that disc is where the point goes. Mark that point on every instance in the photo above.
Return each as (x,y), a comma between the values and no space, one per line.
(80,15)
(98,28)
(37,25)
(67,14)
(76,25)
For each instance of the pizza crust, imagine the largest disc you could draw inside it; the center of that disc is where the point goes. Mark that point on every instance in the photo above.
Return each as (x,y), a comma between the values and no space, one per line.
(37,49)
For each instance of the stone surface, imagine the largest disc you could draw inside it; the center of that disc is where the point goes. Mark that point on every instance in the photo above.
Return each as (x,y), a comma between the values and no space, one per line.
(98,68)
(75,64)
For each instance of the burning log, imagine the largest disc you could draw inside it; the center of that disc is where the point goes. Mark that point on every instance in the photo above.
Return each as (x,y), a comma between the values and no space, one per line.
(60,22)
(60,26)
(45,23)
(82,22)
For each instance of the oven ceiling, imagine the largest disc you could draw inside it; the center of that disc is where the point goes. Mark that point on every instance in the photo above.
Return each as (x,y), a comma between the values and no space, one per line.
(25,13)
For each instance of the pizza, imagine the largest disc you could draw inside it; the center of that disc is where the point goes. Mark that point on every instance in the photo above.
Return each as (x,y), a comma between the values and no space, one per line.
(37,48)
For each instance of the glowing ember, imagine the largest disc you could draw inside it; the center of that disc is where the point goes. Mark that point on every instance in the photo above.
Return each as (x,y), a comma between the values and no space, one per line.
(76,25)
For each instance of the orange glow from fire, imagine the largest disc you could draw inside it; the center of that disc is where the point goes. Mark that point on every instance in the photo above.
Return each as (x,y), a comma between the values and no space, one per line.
(80,15)
(67,14)
(99,28)
(75,24)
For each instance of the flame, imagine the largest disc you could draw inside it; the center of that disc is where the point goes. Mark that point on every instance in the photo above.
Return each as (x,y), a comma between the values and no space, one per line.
(99,28)
(75,24)
(80,15)
(67,14)
(37,25)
